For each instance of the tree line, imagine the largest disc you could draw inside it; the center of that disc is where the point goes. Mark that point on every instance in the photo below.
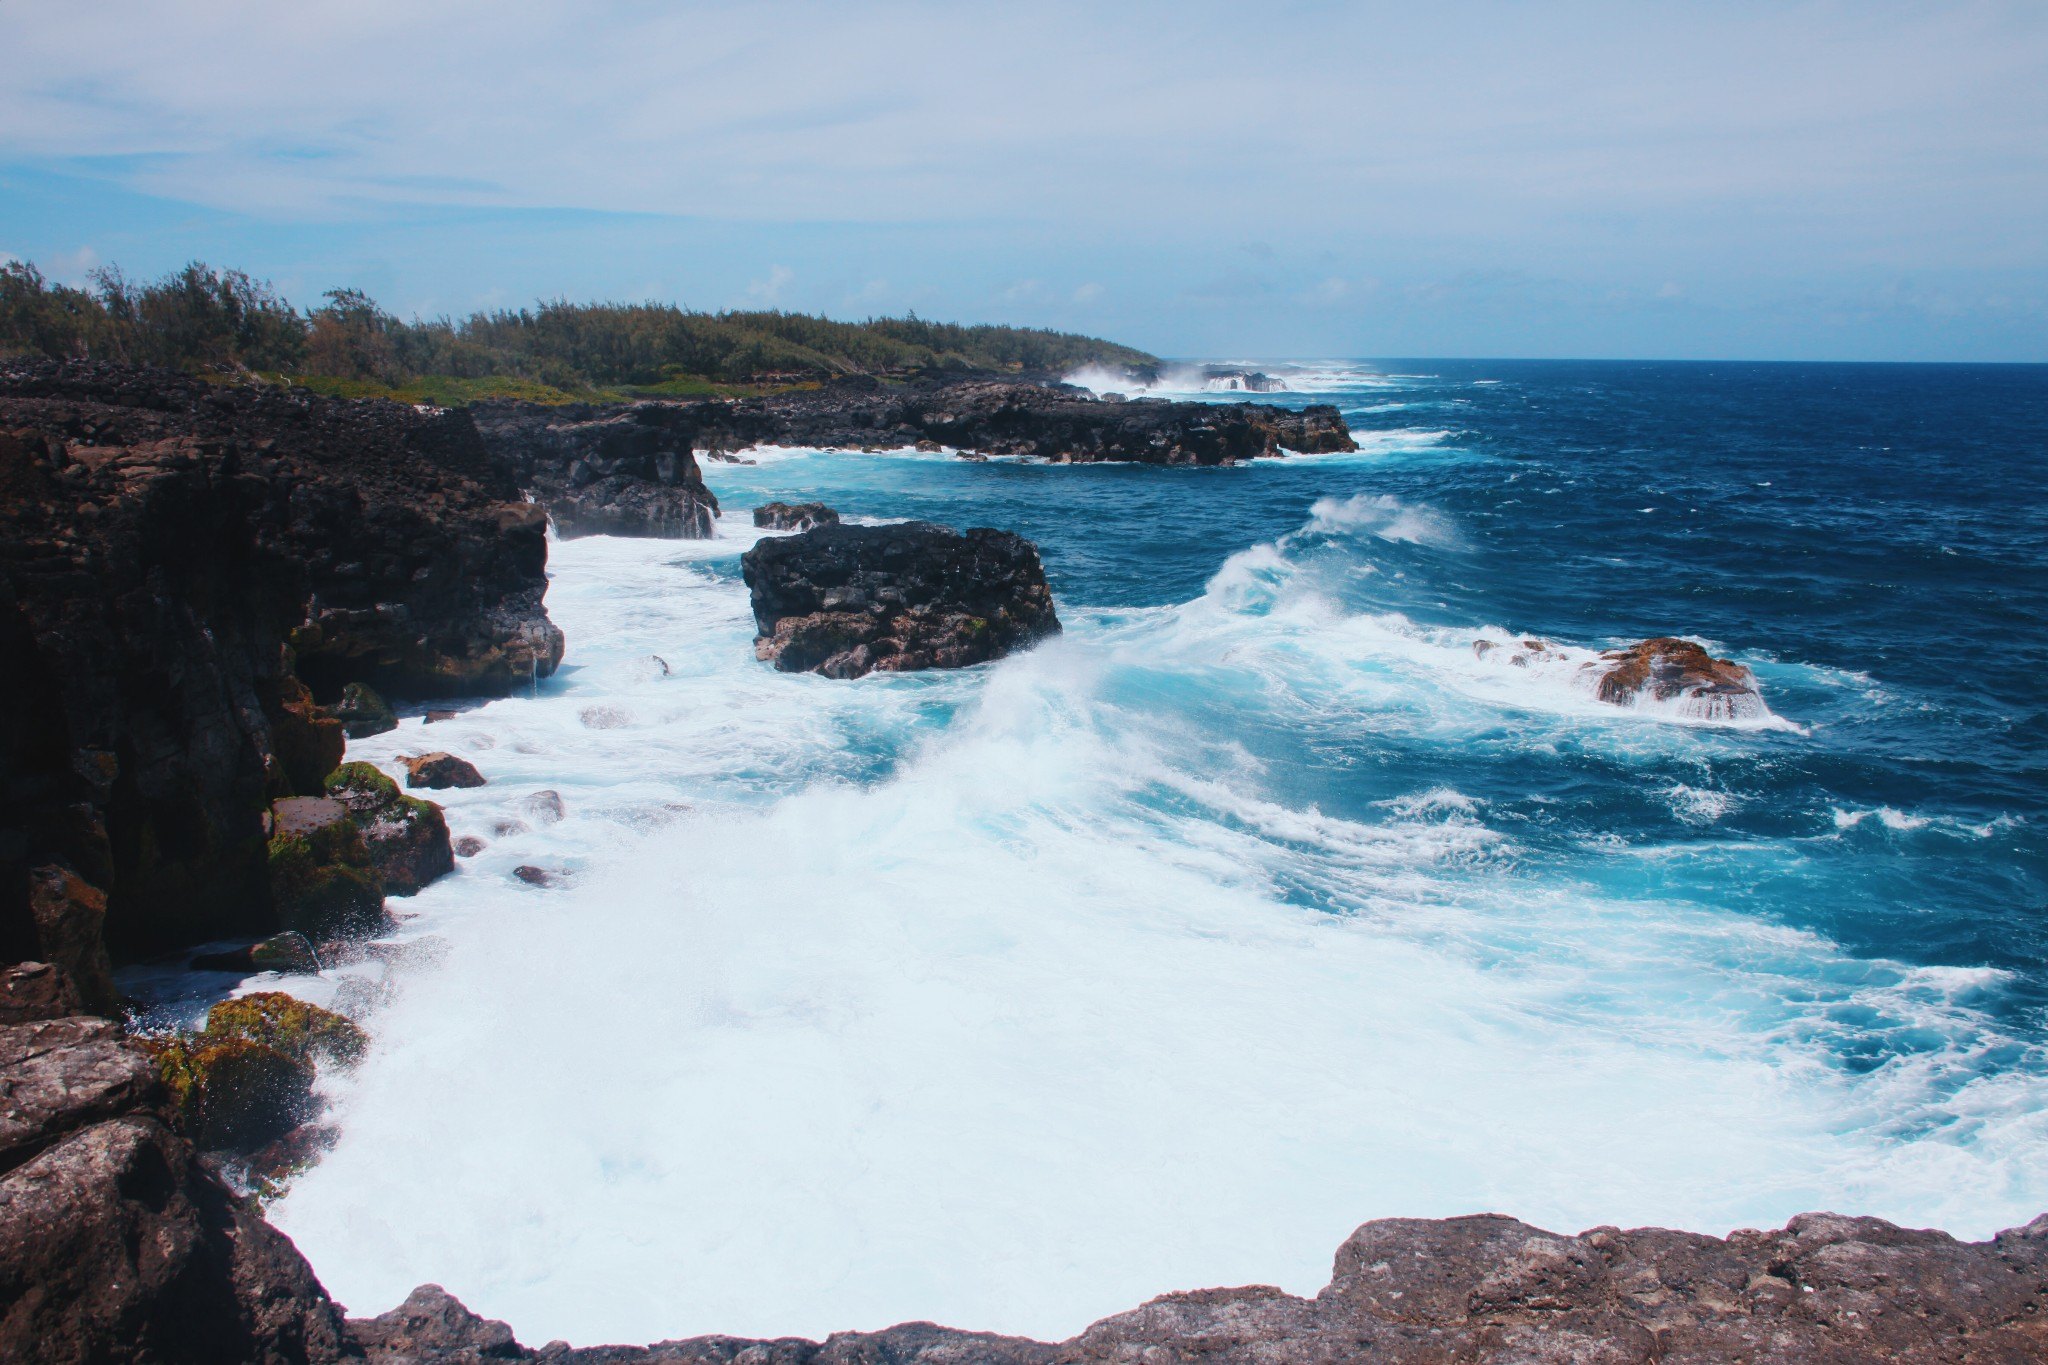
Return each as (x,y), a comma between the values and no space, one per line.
(226,322)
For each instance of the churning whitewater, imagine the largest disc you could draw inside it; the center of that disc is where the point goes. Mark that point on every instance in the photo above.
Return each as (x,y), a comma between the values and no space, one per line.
(1258,904)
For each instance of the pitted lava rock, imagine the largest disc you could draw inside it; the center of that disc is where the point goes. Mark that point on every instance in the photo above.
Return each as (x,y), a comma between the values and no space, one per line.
(848,600)
(178,561)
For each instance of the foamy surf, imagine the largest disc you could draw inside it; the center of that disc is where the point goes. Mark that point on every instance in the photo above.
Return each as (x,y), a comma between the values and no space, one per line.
(1011,997)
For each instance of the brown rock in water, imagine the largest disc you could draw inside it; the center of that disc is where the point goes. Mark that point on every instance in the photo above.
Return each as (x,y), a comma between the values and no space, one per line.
(440,770)
(539,876)
(794,516)
(1667,668)
(468,846)
(848,600)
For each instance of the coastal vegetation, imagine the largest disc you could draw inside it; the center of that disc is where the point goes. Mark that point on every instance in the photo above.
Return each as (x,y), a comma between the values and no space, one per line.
(228,323)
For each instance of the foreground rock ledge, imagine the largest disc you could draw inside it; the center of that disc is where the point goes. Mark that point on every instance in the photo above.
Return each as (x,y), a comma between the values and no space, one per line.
(118,1243)
(1826,1290)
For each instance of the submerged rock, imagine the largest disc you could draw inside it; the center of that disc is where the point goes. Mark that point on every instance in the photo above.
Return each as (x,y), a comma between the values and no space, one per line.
(440,770)
(468,846)
(407,836)
(794,516)
(322,878)
(848,600)
(1669,669)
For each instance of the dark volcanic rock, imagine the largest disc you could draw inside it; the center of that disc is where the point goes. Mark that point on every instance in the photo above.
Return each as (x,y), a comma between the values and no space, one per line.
(116,1243)
(605,471)
(439,770)
(846,600)
(176,559)
(632,470)
(1483,1289)
(794,516)
(1669,669)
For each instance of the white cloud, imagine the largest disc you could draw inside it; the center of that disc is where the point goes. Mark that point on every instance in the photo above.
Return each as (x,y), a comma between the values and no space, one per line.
(769,292)
(1088,293)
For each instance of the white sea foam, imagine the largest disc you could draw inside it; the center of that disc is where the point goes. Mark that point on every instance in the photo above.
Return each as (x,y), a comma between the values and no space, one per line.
(1063,1007)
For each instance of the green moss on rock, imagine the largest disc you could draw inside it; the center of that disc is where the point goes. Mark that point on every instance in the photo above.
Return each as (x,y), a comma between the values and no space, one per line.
(246,1079)
(322,877)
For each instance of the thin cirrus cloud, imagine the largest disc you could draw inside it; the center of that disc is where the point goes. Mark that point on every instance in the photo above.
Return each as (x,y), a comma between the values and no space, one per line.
(1873,157)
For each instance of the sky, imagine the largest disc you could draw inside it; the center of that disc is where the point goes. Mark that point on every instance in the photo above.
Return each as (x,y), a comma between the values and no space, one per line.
(1847,179)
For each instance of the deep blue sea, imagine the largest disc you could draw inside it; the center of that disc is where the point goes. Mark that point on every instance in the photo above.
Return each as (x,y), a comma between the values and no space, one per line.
(1260,903)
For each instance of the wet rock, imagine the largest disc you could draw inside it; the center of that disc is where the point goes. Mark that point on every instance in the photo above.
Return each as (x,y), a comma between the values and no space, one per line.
(322,877)
(407,837)
(36,990)
(794,516)
(847,600)
(286,952)
(545,806)
(437,716)
(246,1079)
(605,718)
(468,846)
(69,915)
(362,712)
(1669,669)
(440,770)
(539,876)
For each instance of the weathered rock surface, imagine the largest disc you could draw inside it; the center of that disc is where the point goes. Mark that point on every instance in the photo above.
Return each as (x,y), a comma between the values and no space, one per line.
(36,990)
(116,1243)
(362,712)
(1824,1289)
(440,770)
(1668,669)
(605,471)
(847,600)
(794,516)
(176,560)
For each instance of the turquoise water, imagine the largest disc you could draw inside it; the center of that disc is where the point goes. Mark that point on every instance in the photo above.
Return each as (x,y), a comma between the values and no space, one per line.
(1259,903)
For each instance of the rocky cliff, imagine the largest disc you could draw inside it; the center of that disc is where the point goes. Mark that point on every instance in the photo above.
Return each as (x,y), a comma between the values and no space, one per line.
(632,471)
(185,572)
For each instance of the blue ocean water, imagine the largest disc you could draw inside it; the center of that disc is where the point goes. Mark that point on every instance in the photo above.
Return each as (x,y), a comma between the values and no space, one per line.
(1259,903)
(1871,539)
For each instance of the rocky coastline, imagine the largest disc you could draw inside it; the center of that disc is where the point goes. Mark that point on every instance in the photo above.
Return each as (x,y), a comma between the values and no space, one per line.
(204,589)
(635,471)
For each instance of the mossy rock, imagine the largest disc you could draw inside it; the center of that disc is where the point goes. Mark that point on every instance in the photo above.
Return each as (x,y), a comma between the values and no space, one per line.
(407,836)
(246,1079)
(363,713)
(307,741)
(322,877)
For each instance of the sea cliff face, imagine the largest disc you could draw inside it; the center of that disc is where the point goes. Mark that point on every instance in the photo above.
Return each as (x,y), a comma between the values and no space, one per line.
(632,470)
(183,570)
